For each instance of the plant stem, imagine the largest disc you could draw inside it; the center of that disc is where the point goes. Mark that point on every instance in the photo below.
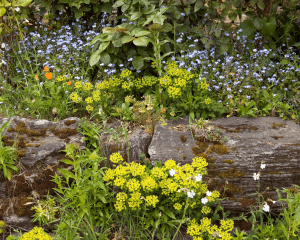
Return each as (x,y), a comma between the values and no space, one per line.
(182,218)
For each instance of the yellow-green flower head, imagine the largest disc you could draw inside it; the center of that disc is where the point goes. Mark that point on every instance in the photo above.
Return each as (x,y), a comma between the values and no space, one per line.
(151,200)
(149,81)
(89,108)
(121,171)
(125,73)
(177,206)
(109,175)
(96,95)
(135,201)
(116,157)
(158,173)
(133,185)
(225,236)
(89,100)
(36,233)
(75,97)
(207,101)
(170,164)
(136,169)
(203,84)
(172,65)
(165,81)
(120,182)
(168,186)
(78,85)
(200,164)
(193,228)
(227,225)
(174,92)
(205,224)
(205,210)
(87,86)
(120,203)
(149,184)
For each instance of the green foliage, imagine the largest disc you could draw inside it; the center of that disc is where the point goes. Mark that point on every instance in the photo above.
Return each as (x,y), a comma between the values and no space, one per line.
(8,155)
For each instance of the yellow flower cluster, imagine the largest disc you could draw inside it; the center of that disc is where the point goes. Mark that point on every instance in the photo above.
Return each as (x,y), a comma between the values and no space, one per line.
(96,95)
(120,203)
(36,233)
(62,78)
(171,180)
(78,85)
(174,92)
(87,86)
(151,200)
(125,73)
(89,108)
(89,100)
(196,230)
(75,97)
(203,84)
(205,210)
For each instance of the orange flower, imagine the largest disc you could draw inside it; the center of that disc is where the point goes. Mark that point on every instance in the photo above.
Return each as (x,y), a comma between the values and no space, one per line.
(36,77)
(49,75)
(69,83)
(46,69)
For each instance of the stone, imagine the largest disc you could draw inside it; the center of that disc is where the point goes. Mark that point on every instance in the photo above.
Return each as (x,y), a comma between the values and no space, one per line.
(41,140)
(40,144)
(137,138)
(251,141)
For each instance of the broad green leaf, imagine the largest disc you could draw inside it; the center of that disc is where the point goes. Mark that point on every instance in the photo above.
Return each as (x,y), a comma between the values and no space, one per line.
(106,7)
(284,62)
(125,7)
(149,58)
(138,62)
(258,23)
(198,5)
(261,5)
(148,10)
(94,58)
(167,27)
(95,39)
(109,30)
(297,44)
(269,27)
(118,4)
(135,16)
(126,39)
(218,32)
(167,54)
(248,27)
(103,46)
(141,41)
(78,13)
(105,58)
(142,33)
(118,42)
(66,173)
(169,213)
(23,3)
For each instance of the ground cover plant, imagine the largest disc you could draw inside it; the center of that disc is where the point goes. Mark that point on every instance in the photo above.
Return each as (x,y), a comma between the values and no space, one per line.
(48,74)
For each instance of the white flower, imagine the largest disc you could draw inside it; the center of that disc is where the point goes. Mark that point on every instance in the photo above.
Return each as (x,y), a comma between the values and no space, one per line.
(191,194)
(198,178)
(178,190)
(262,166)
(172,172)
(26,20)
(17,9)
(204,200)
(208,193)
(256,176)
(266,208)
(2,45)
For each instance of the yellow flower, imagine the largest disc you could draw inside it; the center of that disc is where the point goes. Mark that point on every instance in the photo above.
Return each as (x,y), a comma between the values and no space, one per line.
(148,184)
(87,86)
(133,185)
(135,201)
(205,209)
(89,100)
(89,108)
(177,206)
(151,200)
(120,203)
(170,164)
(109,175)
(36,233)
(116,158)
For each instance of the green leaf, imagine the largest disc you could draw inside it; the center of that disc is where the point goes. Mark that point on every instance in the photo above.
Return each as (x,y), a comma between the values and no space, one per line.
(106,7)
(126,39)
(218,32)
(141,41)
(142,33)
(94,58)
(109,30)
(148,10)
(66,173)
(118,42)
(248,27)
(23,3)
(103,46)
(105,58)
(125,7)
(169,213)
(166,54)
(95,39)
(258,23)
(284,62)
(118,4)
(261,5)
(297,44)
(135,16)
(198,5)
(167,27)
(78,13)
(2,11)
(138,62)
(269,27)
